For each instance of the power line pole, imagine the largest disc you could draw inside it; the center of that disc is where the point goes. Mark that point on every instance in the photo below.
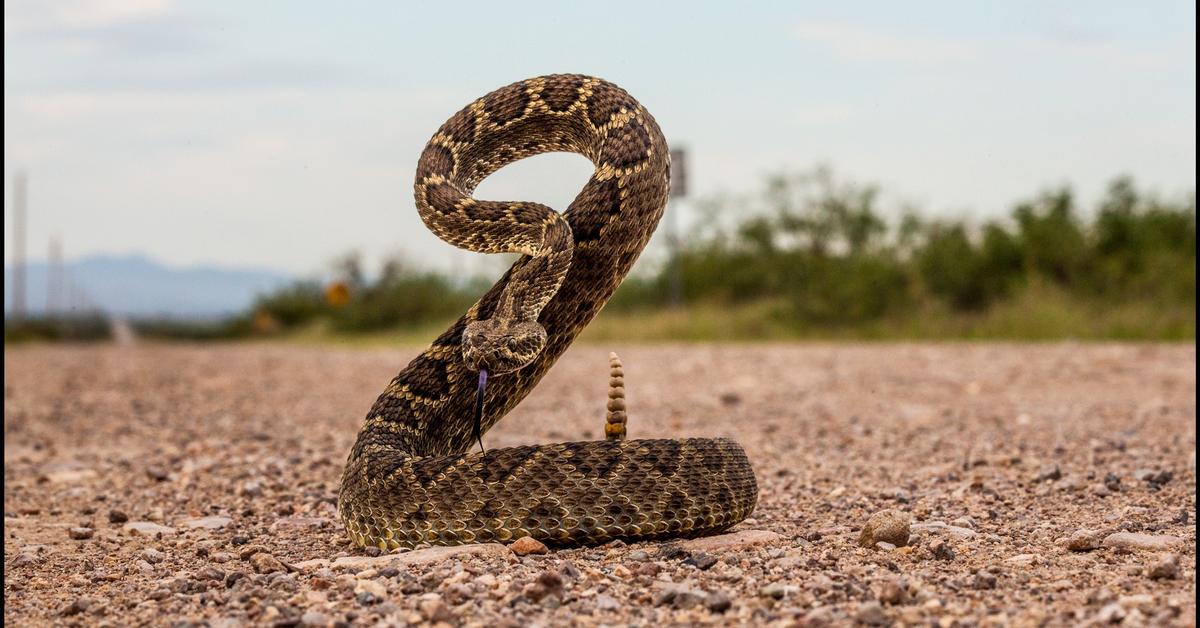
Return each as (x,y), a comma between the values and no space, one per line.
(18,310)
(54,278)
(678,191)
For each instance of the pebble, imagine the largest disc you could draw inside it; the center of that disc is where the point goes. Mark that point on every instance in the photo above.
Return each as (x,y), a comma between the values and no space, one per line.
(147,528)
(1022,560)
(1048,472)
(638,555)
(701,561)
(889,526)
(527,545)
(607,603)
(547,583)
(647,569)
(206,523)
(730,542)
(893,592)
(313,618)
(433,609)
(935,527)
(943,551)
(77,606)
(1154,477)
(984,580)
(152,555)
(1083,540)
(158,474)
(718,602)
(775,590)
(373,587)
(1110,614)
(871,613)
(1165,568)
(266,563)
(1138,541)
(80,534)
(680,597)
(117,516)
(252,489)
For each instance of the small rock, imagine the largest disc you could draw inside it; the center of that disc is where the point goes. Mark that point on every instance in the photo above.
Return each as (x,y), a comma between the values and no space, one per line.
(547,583)
(884,546)
(232,577)
(252,489)
(147,528)
(1165,568)
(701,561)
(1021,560)
(775,590)
(943,551)
(647,569)
(433,609)
(372,587)
(1138,541)
(77,606)
(871,614)
(607,603)
(730,542)
(80,534)
(266,563)
(117,516)
(207,523)
(964,522)
(673,552)
(940,527)
(889,526)
(528,545)
(1048,472)
(718,602)
(1111,614)
(1153,477)
(679,597)
(893,592)
(313,618)
(158,474)
(638,555)
(1084,540)
(984,581)
(152,555)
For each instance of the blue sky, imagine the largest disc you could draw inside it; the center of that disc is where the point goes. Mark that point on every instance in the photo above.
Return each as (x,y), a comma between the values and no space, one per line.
(281,134)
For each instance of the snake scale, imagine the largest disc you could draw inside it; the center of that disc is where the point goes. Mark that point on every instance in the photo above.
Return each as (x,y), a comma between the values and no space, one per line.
(409,478)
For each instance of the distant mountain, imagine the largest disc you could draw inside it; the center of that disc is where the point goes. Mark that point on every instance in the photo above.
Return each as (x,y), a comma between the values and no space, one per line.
(137,286)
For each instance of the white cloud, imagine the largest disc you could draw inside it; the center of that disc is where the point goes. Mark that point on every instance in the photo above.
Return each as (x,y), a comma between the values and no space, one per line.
(858,43)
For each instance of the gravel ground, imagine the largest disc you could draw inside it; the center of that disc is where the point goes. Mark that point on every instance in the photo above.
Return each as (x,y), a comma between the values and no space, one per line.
(957,484)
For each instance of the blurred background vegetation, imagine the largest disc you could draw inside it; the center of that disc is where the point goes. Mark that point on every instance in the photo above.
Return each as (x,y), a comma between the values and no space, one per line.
(808,256)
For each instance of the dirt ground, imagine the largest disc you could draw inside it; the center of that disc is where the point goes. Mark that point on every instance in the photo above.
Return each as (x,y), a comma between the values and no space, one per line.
(1038,485)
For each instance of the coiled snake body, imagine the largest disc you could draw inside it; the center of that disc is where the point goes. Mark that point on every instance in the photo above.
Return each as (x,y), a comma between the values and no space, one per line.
(409,478)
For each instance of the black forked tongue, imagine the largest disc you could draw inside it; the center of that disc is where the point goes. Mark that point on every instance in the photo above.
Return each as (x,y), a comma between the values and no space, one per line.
(479,407)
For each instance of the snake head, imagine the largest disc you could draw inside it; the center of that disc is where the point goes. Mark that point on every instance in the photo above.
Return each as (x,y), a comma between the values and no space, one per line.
(502,346)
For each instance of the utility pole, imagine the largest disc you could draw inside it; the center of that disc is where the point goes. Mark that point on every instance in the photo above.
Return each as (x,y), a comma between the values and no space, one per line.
(18,276)
(54,279)
(678,191)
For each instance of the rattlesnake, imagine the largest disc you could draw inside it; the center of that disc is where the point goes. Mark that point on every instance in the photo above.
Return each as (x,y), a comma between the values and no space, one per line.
(409,478)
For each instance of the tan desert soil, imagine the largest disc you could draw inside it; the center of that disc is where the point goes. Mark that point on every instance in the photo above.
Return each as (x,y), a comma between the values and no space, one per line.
(1040,485)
